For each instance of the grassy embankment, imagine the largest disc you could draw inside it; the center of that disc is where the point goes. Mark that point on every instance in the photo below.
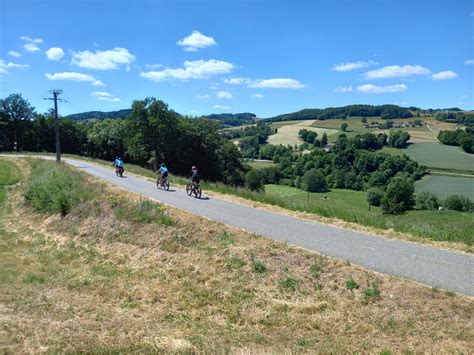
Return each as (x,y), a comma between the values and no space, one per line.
(112,274)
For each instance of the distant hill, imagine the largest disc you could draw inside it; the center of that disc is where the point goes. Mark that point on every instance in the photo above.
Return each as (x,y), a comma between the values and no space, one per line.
(99,115)
(384,111)
(233,119)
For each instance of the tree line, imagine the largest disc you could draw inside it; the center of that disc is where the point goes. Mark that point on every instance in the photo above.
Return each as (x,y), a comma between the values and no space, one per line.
(152,133)
(459,137)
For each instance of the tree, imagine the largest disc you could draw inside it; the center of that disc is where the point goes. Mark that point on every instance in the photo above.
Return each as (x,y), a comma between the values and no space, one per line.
(314,181)
(344,126)
(374,196)
(324,140)
(427,201)
(254,180)
(398,139)
(458,203)
(399,195)
(15,113)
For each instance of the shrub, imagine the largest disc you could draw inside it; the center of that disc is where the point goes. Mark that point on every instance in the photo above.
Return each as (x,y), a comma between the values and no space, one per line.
(351,284)
(399,195)
(372,292)
(290,283)
(254,180)
(427,201)
(458,203)
(141,211)
(374,196)
(258,265)
(55,188)
(314,181)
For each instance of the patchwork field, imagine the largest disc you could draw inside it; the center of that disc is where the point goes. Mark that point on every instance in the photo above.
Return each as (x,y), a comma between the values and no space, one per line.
(288,134)
(436,155)
(444,186)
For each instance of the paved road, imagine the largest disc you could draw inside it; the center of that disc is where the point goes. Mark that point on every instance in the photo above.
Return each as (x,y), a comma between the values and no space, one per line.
(424,264)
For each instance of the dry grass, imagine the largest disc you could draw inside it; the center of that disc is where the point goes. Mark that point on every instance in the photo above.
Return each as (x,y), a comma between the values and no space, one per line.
(288,134)
(88,282)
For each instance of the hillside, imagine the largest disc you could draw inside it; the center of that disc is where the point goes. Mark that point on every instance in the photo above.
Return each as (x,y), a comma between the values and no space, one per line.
(99,115)
(233,119)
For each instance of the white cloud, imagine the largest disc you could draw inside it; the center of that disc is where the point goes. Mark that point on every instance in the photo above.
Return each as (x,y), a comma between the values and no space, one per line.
(373,89)
(224,94)
(343,89)
(222,107)
(444,75)
(237,81)
(55,53)
(4,66)
(73,76)
(104,96)
(102,60)
(14,54)
(205,96)
(32,43)
(469,62)
(31,47)
(257,96)
(198,69)
(154,66)
(277,83)
(342,67)
(396,71)
(195,41)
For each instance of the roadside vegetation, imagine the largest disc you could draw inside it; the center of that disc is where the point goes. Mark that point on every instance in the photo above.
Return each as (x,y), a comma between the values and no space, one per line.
(108,276)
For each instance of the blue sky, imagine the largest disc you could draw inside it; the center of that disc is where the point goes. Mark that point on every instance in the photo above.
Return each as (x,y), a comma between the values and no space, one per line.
(265,57)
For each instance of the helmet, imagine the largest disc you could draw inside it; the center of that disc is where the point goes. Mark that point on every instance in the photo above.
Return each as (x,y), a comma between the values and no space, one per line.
(194,167)
(162,165)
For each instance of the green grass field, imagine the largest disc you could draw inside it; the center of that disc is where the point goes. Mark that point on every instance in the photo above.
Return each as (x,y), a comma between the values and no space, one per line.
(436,155)
(444,186)
(9,173)
(352,206)
(258,164)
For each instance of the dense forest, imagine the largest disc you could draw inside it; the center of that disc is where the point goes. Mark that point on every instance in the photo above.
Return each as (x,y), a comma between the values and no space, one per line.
(99,115)
(383,111)
(462,138)
(462,118)
(233,119)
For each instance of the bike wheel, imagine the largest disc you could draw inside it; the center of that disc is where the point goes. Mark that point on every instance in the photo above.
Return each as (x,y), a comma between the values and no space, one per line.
(197,192)
(166,185)
(189,189)
(158,183)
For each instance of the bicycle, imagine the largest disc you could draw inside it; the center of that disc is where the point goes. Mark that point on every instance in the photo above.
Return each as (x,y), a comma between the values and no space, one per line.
(163,184)
(192,188)
(119,171)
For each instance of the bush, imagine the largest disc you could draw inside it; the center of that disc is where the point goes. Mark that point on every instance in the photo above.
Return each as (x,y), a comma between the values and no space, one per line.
(141,211)
(427,201)
(55,188)
(314,181)
(374,196)
(258,265)
(254,180)
(458,203)
(399,195)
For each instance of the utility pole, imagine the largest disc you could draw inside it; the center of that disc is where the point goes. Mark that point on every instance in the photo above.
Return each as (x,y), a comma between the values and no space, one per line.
(56,93)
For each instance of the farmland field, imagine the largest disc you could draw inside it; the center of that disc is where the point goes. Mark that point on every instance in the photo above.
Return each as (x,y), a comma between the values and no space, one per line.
(444,186)
(257,164)
(436,155)
(288,134)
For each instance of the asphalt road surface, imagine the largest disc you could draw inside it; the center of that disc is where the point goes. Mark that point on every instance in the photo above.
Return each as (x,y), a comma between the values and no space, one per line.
(427,265)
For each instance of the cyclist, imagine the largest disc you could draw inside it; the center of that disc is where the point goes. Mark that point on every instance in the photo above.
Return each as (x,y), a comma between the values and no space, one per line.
(118,164)
(163,170)
(194,176)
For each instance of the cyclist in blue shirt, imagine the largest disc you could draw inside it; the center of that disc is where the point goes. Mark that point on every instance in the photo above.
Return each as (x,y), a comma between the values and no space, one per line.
(118,163)
(163,171)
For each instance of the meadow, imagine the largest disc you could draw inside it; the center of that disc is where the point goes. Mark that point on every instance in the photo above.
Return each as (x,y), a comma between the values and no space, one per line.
(288,133)
(444,186)
(109,277)
(437,155)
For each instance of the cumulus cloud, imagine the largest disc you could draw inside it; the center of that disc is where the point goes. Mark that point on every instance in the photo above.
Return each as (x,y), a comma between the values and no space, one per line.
(222,107)
(237,81)
(343,89)
(342,67)
(14,54)
(154,66)
(197,69)
(224,94)
(444,75)
(55,53)
(277,83)
(373,89)
(4,66)
(102,60)
(31,43)
(73,76)
(104,96)
(257,96)
(195,41)
(469,62)
(396,71)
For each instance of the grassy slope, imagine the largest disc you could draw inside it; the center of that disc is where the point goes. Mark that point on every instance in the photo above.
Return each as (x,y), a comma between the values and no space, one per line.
(9,173)
(437,155)
(88,282)
(352,206)
(444,186)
